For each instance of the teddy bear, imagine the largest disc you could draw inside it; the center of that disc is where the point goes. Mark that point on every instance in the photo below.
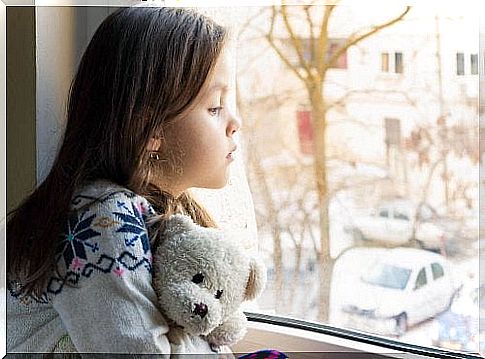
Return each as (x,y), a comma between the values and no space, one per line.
(201,279)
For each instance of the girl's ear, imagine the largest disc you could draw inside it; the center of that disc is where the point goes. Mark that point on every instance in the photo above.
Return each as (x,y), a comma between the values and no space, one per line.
(154,144)
(257,279)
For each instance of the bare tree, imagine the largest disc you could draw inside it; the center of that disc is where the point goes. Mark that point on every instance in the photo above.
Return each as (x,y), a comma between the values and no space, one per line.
(312,71)
(430,151)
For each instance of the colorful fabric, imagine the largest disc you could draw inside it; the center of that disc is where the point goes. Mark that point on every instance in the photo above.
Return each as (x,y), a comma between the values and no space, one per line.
(101,296)
(81,253)
(265,354)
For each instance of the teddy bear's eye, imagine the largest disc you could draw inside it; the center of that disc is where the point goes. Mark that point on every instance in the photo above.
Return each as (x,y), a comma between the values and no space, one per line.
(198,278)
(218,294)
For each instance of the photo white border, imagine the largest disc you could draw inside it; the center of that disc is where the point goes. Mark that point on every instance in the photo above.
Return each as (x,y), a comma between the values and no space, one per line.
(209,3)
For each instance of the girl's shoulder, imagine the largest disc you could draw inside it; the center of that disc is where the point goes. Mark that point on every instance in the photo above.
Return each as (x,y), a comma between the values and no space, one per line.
(105,196)
(105,237)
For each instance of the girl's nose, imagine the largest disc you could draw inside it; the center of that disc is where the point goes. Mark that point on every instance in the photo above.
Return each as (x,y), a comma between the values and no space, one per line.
(233,126)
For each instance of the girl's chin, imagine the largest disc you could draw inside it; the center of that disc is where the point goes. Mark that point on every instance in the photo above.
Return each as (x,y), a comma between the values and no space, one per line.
(218,184)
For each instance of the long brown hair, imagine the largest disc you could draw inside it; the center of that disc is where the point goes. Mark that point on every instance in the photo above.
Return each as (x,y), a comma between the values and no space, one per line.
(143,67)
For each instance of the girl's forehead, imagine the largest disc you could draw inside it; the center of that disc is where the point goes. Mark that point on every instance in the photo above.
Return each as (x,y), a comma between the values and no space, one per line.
(224,71)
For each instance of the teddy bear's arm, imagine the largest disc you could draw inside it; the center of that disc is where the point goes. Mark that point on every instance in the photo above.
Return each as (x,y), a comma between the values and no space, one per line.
(230,331)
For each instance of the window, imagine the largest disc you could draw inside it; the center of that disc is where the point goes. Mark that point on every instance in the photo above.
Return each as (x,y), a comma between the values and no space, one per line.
(474,64)
(385,62)
(392,62)
(305,131)
(364,120)
(333,45)
(393,131)
(421,279)
(437,270)
(460,63)
(398,63)
(466,64)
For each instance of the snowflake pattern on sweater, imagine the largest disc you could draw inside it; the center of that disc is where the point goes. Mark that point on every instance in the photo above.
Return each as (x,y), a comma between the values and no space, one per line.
(82,253)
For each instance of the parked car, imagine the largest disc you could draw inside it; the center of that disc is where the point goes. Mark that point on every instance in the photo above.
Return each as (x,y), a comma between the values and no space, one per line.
(402,288)
(458,327)
(394,223)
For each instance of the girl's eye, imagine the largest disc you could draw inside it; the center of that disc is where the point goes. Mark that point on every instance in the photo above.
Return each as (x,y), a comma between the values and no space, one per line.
(198,278)
(215,111)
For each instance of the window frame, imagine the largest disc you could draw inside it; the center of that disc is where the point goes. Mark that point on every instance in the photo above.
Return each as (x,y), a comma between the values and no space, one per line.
(389,63)
(352,339)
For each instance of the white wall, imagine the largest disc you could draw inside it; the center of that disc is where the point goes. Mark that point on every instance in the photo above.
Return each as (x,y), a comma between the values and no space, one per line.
(62,36)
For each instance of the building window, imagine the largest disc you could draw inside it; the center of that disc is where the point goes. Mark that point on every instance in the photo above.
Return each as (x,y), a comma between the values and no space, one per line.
(392,62)
(474,64)
(393,132)
(385,62)
(466,64)
(305,131)
(460,64)
(333,46)
(398,63)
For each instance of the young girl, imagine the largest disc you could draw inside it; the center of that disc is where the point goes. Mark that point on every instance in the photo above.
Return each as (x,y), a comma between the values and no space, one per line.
(148,118)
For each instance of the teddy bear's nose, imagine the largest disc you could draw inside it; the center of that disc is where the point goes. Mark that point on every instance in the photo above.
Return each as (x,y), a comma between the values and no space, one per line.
(200,309)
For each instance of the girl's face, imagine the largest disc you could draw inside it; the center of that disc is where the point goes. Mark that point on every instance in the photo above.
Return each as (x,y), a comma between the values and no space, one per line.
(199,146)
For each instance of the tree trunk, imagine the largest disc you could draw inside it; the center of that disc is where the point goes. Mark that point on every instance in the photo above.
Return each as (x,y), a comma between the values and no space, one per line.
(325,262)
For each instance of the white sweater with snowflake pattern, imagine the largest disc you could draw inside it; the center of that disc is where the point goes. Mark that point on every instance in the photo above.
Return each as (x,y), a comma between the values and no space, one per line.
(103,300)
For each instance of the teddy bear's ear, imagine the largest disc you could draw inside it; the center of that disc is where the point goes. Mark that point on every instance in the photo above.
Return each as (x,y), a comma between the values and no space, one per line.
(256,280)
(178,223)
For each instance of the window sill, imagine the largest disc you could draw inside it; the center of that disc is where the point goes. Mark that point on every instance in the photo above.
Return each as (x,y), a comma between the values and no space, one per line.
(310,339)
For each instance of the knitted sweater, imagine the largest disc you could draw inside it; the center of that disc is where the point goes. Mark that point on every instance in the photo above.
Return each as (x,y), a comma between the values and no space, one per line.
(102,300)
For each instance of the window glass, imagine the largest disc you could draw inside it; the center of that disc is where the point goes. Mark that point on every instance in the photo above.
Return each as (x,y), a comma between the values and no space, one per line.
(320,156)
(385,62)
(309,53)
(474,64)
(437,270)
(398,63)
(388,276)
(460,63)
(421,279)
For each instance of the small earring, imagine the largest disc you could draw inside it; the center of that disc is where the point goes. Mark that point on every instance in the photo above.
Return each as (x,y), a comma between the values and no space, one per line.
(155,156)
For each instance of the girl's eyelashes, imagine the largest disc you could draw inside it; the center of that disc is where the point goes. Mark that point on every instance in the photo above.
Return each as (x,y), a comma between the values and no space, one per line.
(215,111)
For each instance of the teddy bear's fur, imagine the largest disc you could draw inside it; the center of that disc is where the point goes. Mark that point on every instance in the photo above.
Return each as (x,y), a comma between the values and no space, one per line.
(201,279)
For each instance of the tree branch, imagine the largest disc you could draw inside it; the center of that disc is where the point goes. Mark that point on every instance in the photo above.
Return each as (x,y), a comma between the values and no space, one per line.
(356,37)
(296,41)
(311,32)
(323,40)
(278,51)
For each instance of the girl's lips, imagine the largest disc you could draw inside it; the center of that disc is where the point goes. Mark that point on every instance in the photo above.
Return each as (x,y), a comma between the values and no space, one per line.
(230,155)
